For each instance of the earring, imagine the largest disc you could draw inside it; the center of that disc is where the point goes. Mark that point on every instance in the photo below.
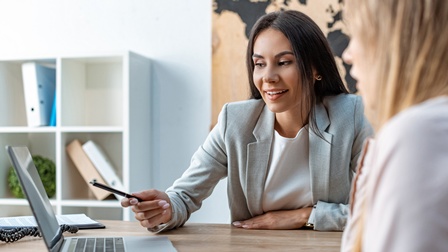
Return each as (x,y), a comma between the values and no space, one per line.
(319,77)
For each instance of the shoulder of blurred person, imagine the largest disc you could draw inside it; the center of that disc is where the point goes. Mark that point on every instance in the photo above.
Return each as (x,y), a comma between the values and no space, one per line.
(411,164)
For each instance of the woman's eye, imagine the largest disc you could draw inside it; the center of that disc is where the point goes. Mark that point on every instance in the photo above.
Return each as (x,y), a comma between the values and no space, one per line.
(284,63)
(259,64)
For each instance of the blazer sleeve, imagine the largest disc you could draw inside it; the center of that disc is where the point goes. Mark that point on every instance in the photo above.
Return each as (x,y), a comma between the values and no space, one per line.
(362,131)
(333,216)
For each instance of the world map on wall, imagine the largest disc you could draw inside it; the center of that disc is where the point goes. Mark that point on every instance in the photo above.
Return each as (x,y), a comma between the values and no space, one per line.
(232,22)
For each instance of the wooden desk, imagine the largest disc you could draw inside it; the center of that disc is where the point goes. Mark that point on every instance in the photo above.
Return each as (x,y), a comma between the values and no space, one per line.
(208,237)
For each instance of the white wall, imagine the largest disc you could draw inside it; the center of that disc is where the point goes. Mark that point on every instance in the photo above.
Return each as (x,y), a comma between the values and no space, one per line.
(175,34)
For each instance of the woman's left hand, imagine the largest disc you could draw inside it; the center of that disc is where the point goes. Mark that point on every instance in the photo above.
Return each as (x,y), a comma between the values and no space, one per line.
(283,219)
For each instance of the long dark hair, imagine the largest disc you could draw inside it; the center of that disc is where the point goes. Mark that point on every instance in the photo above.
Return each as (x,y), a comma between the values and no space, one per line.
(311,50)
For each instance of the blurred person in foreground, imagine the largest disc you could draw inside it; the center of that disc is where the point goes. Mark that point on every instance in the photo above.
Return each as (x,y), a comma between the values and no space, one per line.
(399,56)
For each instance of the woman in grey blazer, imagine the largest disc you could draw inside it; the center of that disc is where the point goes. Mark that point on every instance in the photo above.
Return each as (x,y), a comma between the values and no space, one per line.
(289,152)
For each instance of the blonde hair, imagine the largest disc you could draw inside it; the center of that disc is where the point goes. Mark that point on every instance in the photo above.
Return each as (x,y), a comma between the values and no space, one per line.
(407,45)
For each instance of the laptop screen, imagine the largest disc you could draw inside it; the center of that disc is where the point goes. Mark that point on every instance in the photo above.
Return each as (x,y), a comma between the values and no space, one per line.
(37,197)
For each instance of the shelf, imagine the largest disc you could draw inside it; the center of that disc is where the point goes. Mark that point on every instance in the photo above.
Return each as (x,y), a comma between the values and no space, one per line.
(100,97)
(27,129)
(91,203)
(62,129)
(20,202)
(92,129)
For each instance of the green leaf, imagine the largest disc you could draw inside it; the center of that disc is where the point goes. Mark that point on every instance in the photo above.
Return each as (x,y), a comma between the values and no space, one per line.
(47,172)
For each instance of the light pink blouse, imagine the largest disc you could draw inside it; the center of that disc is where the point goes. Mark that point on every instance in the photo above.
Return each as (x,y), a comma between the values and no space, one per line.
(400,197)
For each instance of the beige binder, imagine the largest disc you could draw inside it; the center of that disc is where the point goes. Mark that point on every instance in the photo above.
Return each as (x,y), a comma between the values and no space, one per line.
(86,168)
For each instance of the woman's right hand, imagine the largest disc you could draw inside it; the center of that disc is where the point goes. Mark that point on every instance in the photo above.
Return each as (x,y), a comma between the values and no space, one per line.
(154,210)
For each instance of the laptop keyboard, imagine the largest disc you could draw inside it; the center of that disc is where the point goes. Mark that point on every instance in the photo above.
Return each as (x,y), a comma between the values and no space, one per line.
(106,244)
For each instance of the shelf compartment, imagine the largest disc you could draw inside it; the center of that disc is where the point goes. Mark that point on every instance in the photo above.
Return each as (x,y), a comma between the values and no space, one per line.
(42,144)
(92,91)
(9,209)
(96,213)
(12,98)
(75,187)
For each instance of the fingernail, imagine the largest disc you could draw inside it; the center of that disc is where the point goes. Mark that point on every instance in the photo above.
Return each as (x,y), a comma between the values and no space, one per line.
(133,201)
(245,226)
(166,206)
(236,224)
(162,202)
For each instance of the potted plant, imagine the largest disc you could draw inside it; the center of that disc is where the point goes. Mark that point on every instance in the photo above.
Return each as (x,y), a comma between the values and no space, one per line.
(47,172)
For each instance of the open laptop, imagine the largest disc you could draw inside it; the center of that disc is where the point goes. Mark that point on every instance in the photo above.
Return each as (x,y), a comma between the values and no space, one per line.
(48,225)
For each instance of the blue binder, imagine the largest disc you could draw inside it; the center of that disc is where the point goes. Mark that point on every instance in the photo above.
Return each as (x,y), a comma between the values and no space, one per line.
(39,84)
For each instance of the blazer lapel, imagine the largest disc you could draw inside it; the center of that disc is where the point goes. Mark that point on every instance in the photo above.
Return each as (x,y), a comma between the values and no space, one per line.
(257,161)
(320,154)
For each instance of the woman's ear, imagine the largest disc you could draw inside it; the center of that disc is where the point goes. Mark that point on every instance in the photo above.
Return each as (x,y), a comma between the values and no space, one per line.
(316,75)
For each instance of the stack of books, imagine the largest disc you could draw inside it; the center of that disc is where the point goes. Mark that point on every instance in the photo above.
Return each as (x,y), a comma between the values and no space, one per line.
(93,164)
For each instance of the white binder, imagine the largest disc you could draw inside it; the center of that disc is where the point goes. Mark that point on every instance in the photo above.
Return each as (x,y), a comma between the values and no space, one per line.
(103,164)
(39,86)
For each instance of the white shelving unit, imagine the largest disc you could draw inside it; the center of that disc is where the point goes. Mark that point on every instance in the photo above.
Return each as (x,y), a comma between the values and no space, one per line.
(104,98)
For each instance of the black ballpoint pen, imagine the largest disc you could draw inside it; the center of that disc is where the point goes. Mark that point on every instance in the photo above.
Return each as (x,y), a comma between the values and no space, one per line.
(113,190)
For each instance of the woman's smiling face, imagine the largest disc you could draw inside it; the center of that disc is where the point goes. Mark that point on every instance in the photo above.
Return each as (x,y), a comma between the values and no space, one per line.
(276,74)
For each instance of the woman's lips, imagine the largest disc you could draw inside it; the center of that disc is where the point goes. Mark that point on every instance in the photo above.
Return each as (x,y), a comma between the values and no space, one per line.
(275,94)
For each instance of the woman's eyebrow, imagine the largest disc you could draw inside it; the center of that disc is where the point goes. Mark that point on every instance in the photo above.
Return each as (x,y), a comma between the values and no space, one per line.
(283,53)
(278,55)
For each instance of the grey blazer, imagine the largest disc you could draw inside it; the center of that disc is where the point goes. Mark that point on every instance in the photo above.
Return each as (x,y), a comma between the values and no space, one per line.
(239,146)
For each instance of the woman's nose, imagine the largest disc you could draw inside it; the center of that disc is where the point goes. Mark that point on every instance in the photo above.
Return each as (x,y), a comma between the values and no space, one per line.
(346,55)
(270,77)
